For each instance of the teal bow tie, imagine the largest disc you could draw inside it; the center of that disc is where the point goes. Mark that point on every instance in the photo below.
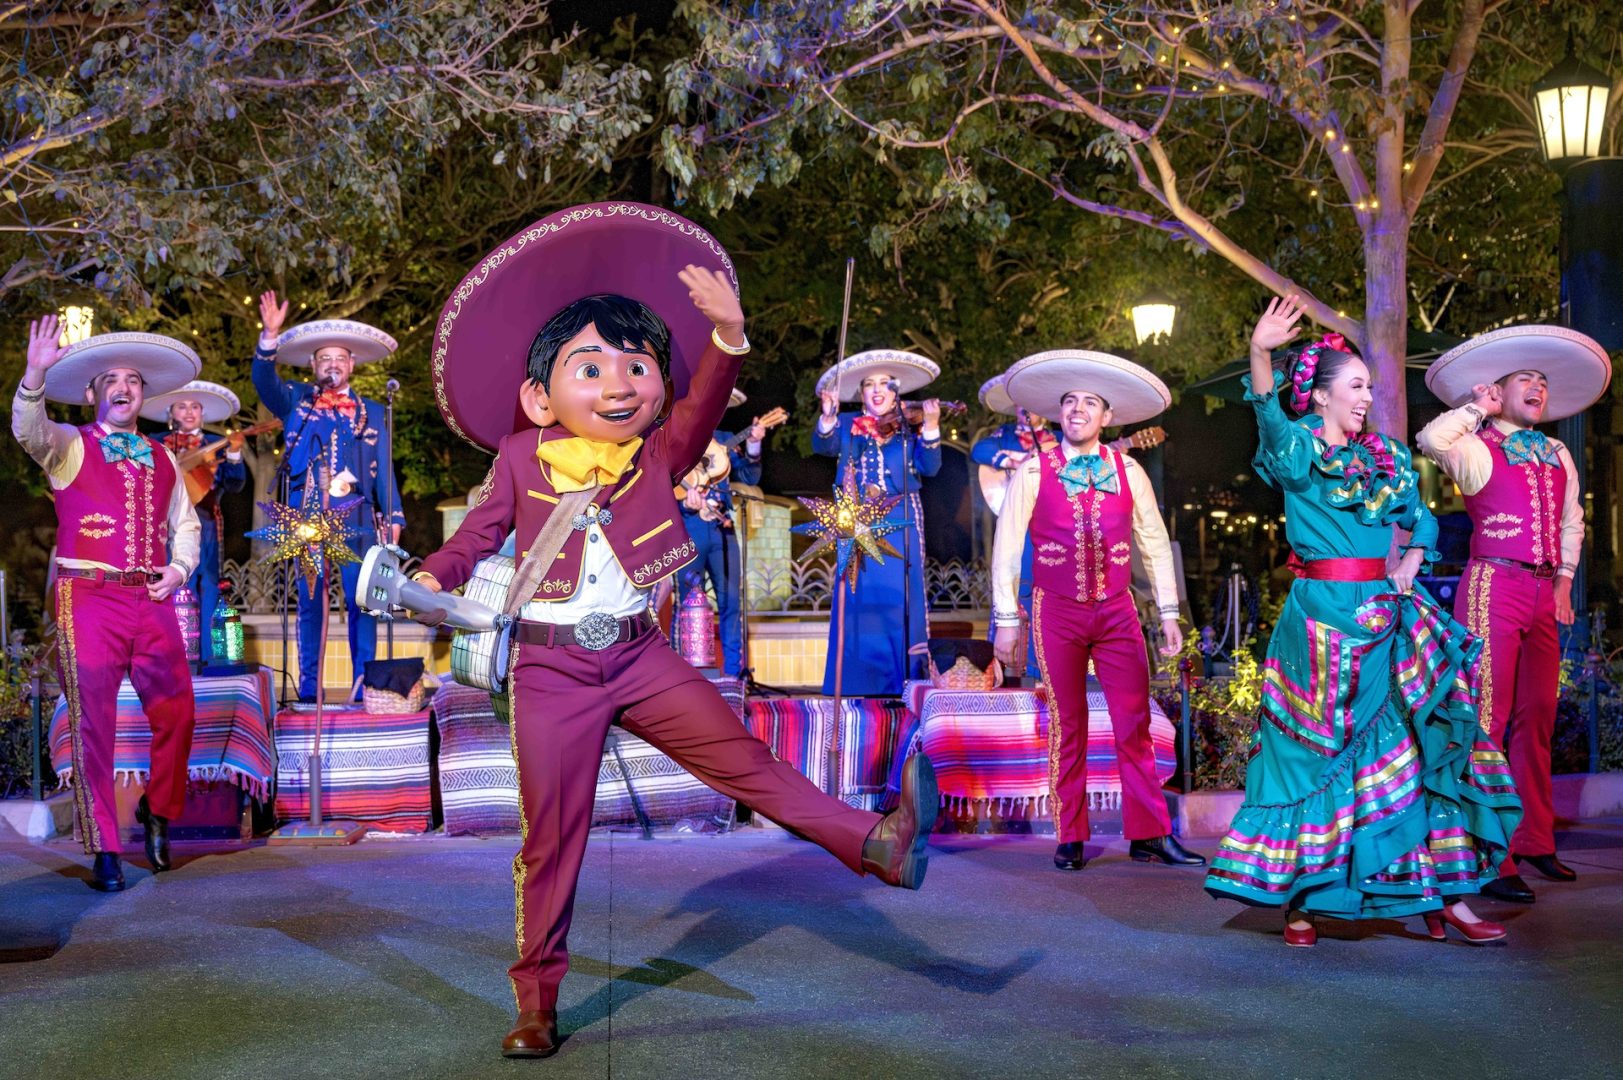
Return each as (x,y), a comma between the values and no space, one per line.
(125,446)
(1089,470)
(1526,446)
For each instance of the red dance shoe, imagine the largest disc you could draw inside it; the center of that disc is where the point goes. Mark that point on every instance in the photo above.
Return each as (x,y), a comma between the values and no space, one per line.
(1300,939)
(1477,933)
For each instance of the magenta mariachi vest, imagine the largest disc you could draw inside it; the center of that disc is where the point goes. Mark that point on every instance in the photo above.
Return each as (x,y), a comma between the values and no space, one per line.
(1517,514)
(116,514)
(1082,544)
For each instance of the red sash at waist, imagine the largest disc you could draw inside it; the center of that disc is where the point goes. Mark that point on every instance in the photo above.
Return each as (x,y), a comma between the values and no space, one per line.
(1337,569)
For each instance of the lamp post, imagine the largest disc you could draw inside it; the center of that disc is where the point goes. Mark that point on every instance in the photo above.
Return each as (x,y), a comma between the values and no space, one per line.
(77,324)
(1570,106)
(1153,317)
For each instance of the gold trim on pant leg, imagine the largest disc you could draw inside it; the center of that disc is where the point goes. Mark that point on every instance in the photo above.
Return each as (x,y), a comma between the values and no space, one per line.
(523,822)
(1477,621)
(83,802)
(1056,805)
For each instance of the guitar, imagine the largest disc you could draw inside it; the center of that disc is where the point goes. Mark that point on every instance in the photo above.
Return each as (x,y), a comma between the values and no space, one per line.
(197,466)
(995,481)
(717,464)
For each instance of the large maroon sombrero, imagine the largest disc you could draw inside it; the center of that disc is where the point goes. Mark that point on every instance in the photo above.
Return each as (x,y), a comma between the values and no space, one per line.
(483,338)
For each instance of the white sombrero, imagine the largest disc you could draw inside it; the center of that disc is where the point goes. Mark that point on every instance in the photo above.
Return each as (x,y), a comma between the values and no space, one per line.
(736,398)
(300,344)
(163,362)
(1576,366)
(910,370)
(1039,382)
(218,402)
(995,396)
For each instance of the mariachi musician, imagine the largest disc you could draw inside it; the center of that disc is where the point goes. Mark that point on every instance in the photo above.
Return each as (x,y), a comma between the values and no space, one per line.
(707,513)
(889,453)
(209,466)
(999,453)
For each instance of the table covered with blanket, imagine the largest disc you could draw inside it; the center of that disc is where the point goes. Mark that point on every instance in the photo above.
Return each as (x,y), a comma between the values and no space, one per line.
(231,741)
(374,767)
(799,731)
(990,749)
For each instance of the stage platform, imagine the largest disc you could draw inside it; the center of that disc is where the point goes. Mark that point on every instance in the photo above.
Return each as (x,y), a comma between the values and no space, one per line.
(755,955)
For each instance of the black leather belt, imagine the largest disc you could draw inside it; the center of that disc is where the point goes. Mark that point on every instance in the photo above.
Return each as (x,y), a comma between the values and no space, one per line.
(596,631)
(1538,570)
(134,579)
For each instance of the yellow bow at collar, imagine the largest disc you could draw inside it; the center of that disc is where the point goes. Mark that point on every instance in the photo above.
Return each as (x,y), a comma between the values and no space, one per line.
(577,463)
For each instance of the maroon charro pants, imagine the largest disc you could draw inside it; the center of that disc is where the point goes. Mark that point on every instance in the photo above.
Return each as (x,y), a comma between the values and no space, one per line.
(105,632)
(1067,634)
(1513,613)
(564,698)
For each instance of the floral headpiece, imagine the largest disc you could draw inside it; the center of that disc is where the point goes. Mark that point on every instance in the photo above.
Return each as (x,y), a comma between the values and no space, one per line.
(1306,364)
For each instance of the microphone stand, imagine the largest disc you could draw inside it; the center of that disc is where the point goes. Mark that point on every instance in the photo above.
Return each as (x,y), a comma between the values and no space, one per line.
(907,540)
(282,479)
(389,390)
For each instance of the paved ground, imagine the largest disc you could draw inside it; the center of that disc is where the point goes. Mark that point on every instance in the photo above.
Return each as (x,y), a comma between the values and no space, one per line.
(755,955)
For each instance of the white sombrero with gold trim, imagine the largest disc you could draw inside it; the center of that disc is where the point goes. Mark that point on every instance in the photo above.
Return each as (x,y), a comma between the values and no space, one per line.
(910,370)
(1576,366)
(299,345)
(163,362)
(1040,382)
(218,402)
(995,396)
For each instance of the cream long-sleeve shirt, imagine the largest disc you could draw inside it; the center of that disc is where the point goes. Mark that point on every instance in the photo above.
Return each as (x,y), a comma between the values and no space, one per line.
(60,451)
(1452,442)
(1009,543)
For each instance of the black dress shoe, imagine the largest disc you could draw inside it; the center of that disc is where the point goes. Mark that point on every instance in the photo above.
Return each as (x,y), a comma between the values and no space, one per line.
(534,1035)
(1511,888)
(1163,849)
(1548,865)
(1070,857)
(897,851)
(157,830)
(108,873)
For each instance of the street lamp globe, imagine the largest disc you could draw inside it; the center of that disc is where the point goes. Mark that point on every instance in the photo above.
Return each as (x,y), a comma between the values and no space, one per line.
(1153,317)
(1570,103)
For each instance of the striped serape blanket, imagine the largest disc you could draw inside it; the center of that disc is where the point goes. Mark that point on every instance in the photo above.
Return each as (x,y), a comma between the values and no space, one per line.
(374,767)
(799,729)
(990,749)
(230,742)
(479,784)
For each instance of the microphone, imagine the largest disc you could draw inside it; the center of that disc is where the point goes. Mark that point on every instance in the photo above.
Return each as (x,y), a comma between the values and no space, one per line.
(894,386)
(328,381)
(391,388)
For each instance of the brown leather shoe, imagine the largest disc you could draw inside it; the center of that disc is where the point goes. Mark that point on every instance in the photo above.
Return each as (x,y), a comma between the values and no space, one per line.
(534,1036)
(897,851)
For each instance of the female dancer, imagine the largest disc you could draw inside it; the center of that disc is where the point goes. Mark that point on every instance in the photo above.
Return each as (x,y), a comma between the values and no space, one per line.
(1371,792)
(876,636)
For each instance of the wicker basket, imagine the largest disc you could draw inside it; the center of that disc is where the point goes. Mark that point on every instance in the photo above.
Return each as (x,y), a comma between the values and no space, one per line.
(386,702)
(964,675)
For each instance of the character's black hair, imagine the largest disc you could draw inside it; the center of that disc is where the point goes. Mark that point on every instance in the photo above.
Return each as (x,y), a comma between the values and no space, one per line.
(619,320)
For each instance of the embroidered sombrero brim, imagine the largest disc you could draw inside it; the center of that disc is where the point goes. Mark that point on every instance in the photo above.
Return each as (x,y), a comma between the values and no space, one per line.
(995,396)
(163,362)
(482,341)
(218,402)
(299,345)
(736,399)
(1040,382)
(1576,366)
(910,370)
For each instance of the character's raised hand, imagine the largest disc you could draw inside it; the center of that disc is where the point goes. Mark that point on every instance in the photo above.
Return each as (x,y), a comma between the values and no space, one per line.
(272,314)
(713,295)
(1278,324)
(43,350)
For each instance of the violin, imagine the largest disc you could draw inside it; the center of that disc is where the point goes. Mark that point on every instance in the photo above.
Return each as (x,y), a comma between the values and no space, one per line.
(890,423)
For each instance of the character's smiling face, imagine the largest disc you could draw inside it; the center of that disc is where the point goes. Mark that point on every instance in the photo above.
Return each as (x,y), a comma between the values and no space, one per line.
(1082,416)
(601,391)
(117,395)
(1346,400)
(187,415)
(1523,396)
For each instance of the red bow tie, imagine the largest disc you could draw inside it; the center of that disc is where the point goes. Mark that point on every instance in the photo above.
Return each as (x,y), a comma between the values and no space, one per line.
(179,440)
(1042,440)
(866,426)
(336,401)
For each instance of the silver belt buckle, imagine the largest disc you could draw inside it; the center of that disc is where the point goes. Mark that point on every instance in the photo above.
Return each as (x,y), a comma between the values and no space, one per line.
(597,631)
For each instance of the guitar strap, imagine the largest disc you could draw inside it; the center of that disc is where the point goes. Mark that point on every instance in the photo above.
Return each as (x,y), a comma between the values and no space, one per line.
(548,542)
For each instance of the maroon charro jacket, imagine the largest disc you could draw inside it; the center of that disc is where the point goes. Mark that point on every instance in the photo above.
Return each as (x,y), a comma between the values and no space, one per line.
(645,531)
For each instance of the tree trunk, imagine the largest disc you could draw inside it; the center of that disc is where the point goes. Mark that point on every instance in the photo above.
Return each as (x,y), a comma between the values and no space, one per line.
(1386,321)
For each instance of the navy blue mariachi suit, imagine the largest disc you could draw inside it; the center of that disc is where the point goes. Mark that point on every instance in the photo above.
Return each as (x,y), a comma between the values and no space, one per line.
(994,450)
(718,557)
(205,580)
(342,442)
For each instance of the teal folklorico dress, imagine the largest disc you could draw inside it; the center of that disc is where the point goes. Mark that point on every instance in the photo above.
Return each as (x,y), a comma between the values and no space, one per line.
(1372,792)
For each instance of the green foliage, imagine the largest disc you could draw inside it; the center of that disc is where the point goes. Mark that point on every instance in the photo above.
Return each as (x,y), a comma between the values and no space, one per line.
(16,723)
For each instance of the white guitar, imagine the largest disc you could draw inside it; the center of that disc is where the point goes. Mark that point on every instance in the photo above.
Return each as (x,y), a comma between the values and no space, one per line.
(995,481)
